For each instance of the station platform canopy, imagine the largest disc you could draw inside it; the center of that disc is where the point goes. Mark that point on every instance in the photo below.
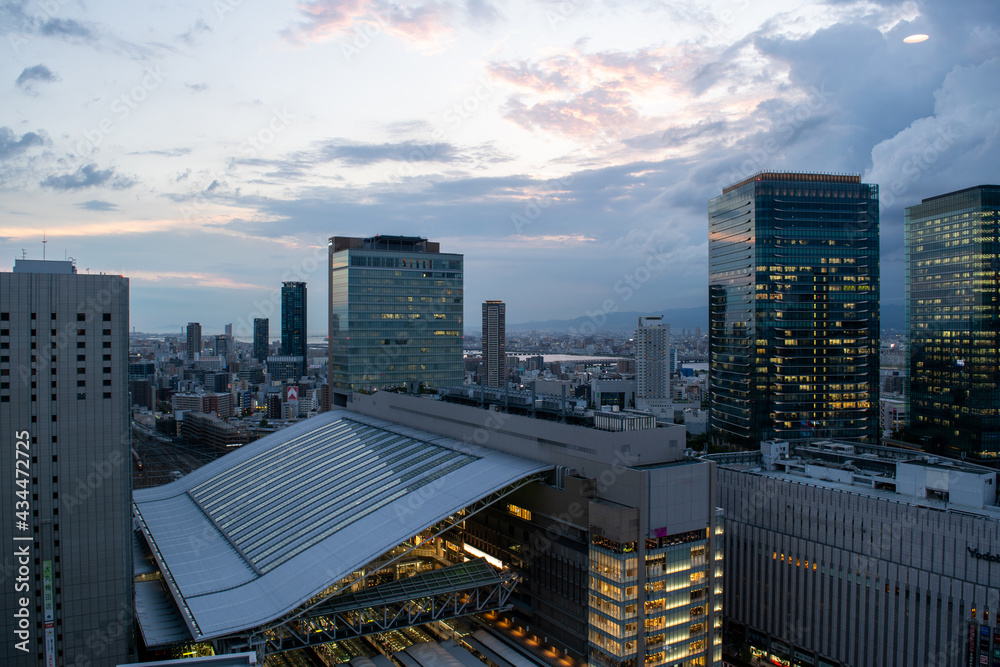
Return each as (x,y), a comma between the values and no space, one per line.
(249,538)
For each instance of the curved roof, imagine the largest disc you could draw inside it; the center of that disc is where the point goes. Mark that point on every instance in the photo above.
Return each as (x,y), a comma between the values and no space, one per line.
(250,537)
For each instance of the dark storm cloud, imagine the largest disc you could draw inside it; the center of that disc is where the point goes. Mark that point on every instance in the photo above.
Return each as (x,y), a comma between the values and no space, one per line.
(30,75)
(87,176)
(11,144)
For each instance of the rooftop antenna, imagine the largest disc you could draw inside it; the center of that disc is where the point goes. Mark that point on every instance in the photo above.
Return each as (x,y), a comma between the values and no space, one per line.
(44,241)
(24,253)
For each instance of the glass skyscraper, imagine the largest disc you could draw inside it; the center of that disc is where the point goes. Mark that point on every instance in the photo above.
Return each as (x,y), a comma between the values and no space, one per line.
(293,322)
(395,314)
(953,322)
(261,340)
(794,309)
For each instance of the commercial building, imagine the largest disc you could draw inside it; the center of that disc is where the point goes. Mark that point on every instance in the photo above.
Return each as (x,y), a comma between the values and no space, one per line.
(396,307)
(293,322)
(605,545)
(494,343)
(652,366)
(793,308)
(220,404)
(67,529)
(844,554)
(953,322)
(193,341)
(282,367)
(208,431)
(261,340)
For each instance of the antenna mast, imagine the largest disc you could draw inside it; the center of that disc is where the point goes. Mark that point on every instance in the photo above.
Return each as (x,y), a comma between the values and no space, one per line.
(43,245)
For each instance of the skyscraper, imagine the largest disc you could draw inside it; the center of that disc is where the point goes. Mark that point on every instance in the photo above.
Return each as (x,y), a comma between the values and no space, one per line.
(293,321)
(953,322)
(494,343)
(395,313)
(67,531)
(652,365)
(193,341)
(261,334)
(793,308)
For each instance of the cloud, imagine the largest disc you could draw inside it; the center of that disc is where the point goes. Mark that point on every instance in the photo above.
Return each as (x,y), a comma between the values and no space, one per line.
(30,75)
(197,87)
(56,27)
(194,32)
(88,176)
(11,145)
(427,25)
(98,205)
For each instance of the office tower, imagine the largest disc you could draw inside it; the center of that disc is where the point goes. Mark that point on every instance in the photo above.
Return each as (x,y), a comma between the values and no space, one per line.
(793,309)
(395,314)
(261,334)
(193,341)
(229,330)
(67,528)
(293,321)
(221,346)
(652,366)
(494,343)
(953,322)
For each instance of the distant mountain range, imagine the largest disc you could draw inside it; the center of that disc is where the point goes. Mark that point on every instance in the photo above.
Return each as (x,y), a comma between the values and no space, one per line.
(893,319)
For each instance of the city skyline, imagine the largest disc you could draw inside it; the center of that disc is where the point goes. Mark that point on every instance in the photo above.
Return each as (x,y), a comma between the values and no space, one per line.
(567,144)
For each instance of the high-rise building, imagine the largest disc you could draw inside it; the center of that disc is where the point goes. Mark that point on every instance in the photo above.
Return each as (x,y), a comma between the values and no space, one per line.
(229,330)
(652,365)
(395,314)
(67,530)
(794,309)
(293,321)
(222,345)
(953,322)
(494,343)
(261,335)
(193,341)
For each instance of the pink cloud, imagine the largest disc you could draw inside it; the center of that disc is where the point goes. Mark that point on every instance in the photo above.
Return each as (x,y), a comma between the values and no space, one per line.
(425,25)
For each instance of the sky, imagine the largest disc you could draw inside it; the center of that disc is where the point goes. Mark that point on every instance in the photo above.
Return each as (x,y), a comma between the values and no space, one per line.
(568,149)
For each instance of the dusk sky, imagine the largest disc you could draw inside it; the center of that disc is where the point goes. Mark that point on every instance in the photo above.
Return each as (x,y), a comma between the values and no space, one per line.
(208,150)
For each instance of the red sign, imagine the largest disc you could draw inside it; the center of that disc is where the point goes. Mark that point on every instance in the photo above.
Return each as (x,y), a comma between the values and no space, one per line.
(293,393)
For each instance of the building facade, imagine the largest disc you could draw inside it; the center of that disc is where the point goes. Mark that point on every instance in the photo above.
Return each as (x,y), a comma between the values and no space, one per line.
(261,339)
(67,562)
(953,322)
(621,550)
(652,366)
(396,305)
(793,308)
(193,341)
(293,322)
(494,343)
(843,555)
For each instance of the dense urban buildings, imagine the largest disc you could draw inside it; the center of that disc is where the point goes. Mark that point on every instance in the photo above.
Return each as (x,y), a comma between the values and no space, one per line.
(953,322)
(193,341)
(67,529)
(395,314)
(293,323)
(261,339)
(794,308)
(841,554)
(652,366)
(494,343)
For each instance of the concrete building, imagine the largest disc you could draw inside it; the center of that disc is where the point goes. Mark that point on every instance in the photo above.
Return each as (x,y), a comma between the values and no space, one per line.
(396,306)
(283,367)
(494,343)
(220,404)
(208,431)
(67,530)
(652,366)
(261,342)
(843,554)
(892,414)
(621,550)
(193,341)
(953,323)
(794,279)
